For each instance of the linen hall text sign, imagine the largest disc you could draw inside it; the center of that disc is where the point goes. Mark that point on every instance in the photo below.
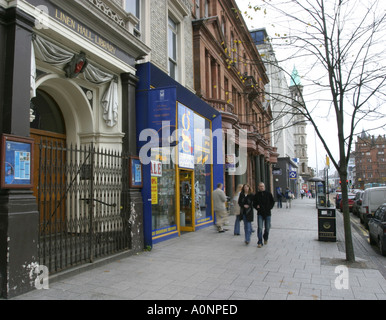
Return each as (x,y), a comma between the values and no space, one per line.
(84,31)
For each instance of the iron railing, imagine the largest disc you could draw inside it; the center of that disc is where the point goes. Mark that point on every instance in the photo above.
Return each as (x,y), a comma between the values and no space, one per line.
(81,197)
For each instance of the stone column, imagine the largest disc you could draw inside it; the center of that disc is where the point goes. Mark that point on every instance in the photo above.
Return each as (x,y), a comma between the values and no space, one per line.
(132,204)
(257,172)
(19,218)
(262,169)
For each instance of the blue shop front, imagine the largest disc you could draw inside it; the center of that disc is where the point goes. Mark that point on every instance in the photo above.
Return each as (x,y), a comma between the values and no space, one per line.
(181,150)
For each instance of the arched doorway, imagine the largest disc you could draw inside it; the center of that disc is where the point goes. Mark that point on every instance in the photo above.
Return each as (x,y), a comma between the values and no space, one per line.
(80,189)
(49,132)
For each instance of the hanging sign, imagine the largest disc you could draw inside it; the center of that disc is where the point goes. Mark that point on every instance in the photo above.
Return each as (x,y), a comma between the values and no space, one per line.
(230,163)
(277,171)
(293,175)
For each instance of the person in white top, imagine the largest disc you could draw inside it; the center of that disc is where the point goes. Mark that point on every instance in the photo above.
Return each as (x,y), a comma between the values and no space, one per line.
(219,199)
(236,209)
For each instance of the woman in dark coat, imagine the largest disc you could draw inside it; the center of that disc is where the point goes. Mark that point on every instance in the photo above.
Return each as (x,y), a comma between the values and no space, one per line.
(246,210)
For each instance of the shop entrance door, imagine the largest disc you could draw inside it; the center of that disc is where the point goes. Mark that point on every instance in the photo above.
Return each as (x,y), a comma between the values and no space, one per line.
(186,200)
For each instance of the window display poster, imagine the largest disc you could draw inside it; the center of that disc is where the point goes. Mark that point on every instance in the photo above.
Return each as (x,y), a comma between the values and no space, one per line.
(163,112)
(186,137)
(17,162)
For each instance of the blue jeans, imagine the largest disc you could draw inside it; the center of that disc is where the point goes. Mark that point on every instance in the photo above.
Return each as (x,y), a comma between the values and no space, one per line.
(237,225)
(267,225)
(247,229)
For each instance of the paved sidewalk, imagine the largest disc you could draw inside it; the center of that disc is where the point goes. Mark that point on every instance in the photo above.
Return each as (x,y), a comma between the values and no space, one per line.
(204,265)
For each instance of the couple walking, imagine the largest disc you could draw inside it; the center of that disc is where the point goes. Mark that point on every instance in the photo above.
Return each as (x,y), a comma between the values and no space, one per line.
(263,202)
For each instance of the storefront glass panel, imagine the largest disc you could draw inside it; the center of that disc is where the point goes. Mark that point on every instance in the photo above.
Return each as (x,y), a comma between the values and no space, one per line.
(202,170)
(186,200)
(163,194)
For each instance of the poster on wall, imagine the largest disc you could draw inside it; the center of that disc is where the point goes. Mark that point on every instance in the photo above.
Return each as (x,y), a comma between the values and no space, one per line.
(186,137)
(154,190)
(16,162)
(135,172)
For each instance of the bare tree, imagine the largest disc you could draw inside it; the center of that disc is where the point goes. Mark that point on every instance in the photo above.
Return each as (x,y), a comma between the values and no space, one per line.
(341,42)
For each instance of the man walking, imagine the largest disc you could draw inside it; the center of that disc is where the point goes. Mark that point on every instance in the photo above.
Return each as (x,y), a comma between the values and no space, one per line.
(219,199)
(288,196)
(263,202)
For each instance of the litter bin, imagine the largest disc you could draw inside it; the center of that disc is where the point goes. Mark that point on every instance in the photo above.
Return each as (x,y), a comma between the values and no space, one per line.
(327,224)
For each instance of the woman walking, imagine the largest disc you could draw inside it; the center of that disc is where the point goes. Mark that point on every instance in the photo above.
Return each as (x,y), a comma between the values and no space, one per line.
(246,210)
(236,209)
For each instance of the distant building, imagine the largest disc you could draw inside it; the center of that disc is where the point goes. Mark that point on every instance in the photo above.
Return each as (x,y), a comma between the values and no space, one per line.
(283,131)
(370,164)
(300,135)
(351,172)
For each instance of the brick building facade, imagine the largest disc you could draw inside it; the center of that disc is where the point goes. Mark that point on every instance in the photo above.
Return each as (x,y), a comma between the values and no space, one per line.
(230,75)
(370,163)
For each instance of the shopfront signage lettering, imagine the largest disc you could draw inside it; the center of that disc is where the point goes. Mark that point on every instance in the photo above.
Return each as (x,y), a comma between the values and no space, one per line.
(156,169)
(163,231)
(84,31)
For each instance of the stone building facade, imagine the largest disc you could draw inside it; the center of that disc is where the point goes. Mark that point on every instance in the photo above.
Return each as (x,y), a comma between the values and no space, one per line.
(67,78)
(229,74)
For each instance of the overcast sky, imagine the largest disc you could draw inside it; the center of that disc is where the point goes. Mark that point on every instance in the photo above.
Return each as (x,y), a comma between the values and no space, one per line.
(316,152)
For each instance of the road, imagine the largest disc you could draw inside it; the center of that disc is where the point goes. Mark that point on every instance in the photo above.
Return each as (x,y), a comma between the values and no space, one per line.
(363,247)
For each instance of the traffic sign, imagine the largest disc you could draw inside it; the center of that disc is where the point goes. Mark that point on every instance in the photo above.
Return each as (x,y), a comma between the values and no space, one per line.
(292,175)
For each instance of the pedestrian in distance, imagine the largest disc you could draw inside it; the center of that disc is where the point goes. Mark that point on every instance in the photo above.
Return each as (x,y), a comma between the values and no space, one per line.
(236,209)
(219,199)
(263,202)
(279,196)
(246,210)
(288,196)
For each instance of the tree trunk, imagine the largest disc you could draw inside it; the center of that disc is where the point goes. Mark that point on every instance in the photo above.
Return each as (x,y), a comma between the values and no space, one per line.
(350,255)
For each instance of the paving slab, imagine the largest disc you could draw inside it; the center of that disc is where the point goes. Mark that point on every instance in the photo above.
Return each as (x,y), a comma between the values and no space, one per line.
(207,265)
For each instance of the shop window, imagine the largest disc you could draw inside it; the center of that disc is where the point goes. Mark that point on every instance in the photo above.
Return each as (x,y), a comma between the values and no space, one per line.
(202,169)
(163,192)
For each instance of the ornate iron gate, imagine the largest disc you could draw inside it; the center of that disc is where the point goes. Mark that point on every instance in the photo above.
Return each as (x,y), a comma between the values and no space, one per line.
(82,196)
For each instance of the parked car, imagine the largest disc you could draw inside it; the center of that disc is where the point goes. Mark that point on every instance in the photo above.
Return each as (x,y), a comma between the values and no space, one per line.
(351,197)
(356,208)
(377,228)
(372,199)
(338,198)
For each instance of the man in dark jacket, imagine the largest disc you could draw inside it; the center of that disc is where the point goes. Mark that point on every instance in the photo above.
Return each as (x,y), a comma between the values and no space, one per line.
(263,202)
